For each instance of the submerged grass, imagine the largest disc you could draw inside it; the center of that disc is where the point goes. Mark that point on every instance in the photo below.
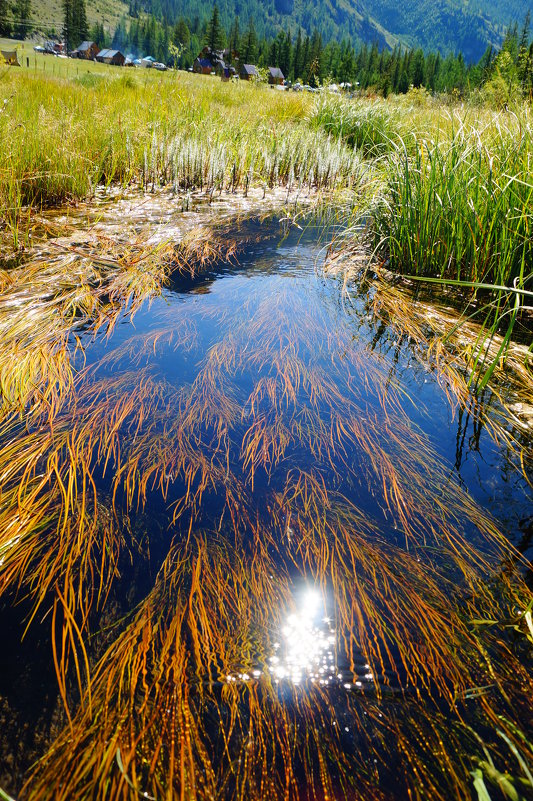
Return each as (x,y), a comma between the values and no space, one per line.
(172,707)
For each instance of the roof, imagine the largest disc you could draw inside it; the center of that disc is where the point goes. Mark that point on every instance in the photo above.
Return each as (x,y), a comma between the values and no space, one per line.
(109,53)
(204,62)
(86,46)
(149,58)
(250,69)
(275,72)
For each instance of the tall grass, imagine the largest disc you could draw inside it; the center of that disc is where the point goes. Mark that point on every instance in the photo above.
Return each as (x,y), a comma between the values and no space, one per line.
(61,138)
(369,126)
(459,212)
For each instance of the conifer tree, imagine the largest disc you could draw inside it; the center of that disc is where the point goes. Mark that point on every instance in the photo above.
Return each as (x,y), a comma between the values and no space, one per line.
(235,36)
(250,48)
(80,21)
(22,14)
(306,58)
(286,55)
(181,34)
(523,52)
(215,34)
(315,71)
(5,26)
(419,69)
(75,28)
(298,57)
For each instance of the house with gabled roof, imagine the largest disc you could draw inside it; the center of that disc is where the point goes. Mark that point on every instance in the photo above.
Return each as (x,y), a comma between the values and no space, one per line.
(275,76)
(247,72)
(202,66)
(87,51)
(107,56)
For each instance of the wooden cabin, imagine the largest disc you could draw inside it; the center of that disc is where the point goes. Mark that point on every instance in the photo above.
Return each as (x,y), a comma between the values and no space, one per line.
(111,57)
(202,66)
(247,72)
(87,51)
(275,76)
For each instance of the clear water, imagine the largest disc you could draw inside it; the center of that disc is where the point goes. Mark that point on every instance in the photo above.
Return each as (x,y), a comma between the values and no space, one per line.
(310,420)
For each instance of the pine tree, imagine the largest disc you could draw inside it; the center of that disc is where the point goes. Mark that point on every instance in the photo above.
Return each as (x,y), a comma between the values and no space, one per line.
(523,52)
(120,37)
(68,33)
(286,55)
(315,70)
(22,14)
(403,83)
(249,55)
(298,57)
(419,69)
(215,34)
(98,35)
(181,34)
(306,58)
(5,25)
(75,28)
(235,37)
(396,70)
(80,21)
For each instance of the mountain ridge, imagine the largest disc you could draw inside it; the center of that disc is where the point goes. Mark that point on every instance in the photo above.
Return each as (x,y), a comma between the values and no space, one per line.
(449,26)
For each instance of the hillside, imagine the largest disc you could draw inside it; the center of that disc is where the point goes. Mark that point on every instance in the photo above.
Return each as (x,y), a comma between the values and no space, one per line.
(447,25)
(47,15)
(467,26)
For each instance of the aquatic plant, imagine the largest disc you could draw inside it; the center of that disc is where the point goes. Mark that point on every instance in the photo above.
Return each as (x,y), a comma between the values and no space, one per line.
(370,126)
(182,697)
(168,132)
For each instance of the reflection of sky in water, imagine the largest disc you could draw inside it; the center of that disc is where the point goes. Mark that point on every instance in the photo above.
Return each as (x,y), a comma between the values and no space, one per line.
(335,345)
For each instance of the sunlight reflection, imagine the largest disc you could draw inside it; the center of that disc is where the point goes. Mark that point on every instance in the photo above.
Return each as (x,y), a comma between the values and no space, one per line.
(306,651)
(307,647)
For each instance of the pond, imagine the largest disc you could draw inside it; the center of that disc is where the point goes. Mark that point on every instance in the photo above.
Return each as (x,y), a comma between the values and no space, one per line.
(257,553)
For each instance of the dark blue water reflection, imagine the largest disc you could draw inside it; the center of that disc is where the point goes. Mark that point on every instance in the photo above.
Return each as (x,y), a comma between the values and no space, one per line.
(275,303)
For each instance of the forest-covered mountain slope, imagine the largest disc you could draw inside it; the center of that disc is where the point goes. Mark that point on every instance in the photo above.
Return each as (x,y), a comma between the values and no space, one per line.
(468,26)
(451,26)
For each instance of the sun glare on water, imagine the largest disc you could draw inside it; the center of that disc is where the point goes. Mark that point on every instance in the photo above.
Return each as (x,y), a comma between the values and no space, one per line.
(307,647)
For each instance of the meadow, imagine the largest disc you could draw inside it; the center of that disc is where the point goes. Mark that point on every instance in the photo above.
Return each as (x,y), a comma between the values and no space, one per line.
(281,449)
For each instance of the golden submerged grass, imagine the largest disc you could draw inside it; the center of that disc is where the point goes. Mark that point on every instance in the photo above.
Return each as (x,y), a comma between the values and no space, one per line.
(155,713)
(427,590)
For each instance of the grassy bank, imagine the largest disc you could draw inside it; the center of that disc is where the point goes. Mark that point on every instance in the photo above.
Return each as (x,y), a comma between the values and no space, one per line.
(65,136)
(448,188)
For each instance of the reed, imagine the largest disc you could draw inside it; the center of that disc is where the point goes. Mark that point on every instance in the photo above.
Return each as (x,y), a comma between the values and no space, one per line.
(63,138)
(457,213)
(370,126)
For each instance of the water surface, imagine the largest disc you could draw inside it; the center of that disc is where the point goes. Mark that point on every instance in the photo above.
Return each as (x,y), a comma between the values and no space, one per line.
(279,536)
